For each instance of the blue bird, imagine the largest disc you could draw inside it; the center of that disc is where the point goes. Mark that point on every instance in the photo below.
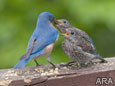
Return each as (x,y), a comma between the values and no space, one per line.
(42,40)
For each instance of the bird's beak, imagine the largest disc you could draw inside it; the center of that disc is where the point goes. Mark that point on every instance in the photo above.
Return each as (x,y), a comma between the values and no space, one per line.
(57,22)
(65,34)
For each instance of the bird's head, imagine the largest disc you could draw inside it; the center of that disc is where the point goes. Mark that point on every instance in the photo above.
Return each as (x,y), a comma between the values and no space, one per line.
(62,25)
(46,17)
(70,35)
(70,32)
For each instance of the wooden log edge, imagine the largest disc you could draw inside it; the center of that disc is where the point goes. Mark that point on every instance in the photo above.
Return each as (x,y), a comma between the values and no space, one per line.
(60,76)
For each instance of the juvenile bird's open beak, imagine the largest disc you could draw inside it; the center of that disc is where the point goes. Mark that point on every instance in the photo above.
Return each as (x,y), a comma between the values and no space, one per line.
(59,22)
(65,34)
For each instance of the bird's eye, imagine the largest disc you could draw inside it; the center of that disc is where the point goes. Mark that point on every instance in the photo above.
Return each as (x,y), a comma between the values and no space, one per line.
(64,22)
(72,33)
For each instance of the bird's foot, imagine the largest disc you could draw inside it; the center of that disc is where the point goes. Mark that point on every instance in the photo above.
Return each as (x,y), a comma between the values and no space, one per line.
(68,63)
(88,63)
(53,66)
(38,65)
(65,64)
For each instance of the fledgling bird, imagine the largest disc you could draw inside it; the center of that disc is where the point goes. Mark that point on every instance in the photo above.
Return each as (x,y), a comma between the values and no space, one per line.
(42,40)
(77,45)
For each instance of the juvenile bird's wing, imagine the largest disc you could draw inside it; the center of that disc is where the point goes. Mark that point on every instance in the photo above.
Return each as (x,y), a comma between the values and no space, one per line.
(90,40)
(87,38)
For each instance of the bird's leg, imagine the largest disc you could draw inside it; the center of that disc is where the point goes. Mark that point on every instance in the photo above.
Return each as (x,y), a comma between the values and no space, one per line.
(48,59)
(68,63)
(36,62)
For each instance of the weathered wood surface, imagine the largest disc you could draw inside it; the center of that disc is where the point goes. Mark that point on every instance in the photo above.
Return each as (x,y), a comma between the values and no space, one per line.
(61,76)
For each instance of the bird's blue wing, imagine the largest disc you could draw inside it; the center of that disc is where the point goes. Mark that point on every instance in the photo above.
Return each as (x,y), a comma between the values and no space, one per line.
(85,36)
(93,49)
(88,39)
(45,38)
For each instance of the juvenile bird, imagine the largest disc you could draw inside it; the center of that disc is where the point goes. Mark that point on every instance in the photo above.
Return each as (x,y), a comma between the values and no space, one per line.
(42,40)
(77,45)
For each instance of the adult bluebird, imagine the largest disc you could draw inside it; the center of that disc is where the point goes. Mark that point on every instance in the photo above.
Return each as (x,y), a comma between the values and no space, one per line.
(42,40)
(77,45)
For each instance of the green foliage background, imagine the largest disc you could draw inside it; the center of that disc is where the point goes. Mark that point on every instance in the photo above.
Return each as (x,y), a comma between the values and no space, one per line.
(18,20)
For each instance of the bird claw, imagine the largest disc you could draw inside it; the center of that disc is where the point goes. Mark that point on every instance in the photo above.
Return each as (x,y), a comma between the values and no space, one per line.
(53,66)
(68,63)
(38,65)
(63,65)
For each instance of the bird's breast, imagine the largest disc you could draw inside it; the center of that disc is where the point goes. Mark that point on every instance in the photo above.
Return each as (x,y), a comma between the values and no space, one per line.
(49,49)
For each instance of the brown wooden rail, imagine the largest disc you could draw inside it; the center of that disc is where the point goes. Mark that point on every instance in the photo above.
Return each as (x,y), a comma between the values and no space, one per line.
(101,74)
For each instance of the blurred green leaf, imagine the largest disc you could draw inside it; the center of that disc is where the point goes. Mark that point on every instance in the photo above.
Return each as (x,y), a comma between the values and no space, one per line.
(18,20)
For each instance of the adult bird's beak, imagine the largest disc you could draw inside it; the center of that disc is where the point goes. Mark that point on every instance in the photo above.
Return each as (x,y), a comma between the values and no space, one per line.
(57,22)
(65,34)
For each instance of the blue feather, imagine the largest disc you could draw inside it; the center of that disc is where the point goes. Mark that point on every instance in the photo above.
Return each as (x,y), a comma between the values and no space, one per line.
(87,38)
(23,62)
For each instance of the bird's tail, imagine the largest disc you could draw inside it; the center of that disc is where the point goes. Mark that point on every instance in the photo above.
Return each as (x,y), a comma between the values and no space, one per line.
(101,58)
(22,63)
